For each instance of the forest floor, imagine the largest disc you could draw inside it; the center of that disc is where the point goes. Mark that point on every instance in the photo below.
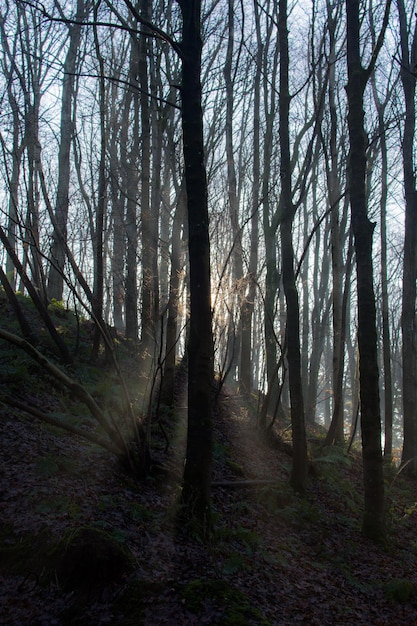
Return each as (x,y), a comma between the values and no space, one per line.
(274,557)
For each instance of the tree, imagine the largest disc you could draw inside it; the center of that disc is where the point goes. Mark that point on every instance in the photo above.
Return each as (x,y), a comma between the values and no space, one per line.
(381,106)
(246,373)
(197,471)
(100,209)
(358,76)
(10,71)
(337,222)
(149,222)
(56,270)
(299,439)
(408,319)
(130,149)
(232,192)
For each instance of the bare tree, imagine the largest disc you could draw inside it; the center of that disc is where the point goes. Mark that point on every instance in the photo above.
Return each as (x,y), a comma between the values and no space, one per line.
(358,76)
(408,321)
(56,270)
(197,471)
(299,438)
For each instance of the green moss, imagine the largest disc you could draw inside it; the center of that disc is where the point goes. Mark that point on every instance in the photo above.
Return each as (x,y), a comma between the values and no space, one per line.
(220,451)
(58,504)
(243,616)
(245,538)
(197,592)
(235,605)
(401,590)
(129,608)
(46,466)
(235,467)
(235,562)
(25,553)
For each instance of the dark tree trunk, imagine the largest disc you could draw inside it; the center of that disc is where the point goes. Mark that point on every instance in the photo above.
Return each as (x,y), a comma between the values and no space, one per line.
(98,236)
(300,464)
(148,251)
(167,389)
(386,340)
(246,353)
(334,187)
(132,165)
(408,320)
(374,519)
(197,472)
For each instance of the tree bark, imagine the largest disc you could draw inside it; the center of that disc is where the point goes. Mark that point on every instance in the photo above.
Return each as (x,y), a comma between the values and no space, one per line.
(197,472)
(374,517)
(246,374)
(300,462)
(168,380)
(131,163)
(408,319)
(55,278)
(386,340)
(98,235)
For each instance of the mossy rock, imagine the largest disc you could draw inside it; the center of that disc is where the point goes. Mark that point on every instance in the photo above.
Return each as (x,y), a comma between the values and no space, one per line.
(89,557)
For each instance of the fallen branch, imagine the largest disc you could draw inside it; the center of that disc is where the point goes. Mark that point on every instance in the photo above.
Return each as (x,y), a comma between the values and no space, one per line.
(103,443)
(76,388)
(243,483)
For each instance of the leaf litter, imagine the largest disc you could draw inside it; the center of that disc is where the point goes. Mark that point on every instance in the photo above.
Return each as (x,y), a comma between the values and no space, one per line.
(283,560)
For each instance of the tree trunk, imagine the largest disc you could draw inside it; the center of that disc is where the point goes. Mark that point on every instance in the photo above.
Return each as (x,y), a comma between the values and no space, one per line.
(148,242)
(246,374)
(408,320)
(98,235)
(386,340)
(117,123)
(300,464)
(167,391)
(197,472)
(56,271)
(334,186)
(131,162)
(374,517)
(270,219)
(237,295)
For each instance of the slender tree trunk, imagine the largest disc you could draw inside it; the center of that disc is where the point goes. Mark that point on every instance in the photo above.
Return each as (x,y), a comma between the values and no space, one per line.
(117,209)
(98,237)
(31,254)
(386,339)
(246,374)
(408,319)
(197,472)
(320,316)
(148,243)
(300,465)
(237,294)
(167,393)
(13,182)
(334,186)
(55,278)
(335,434)
(374,517)
(269,218)
(131,160)
(17,148)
